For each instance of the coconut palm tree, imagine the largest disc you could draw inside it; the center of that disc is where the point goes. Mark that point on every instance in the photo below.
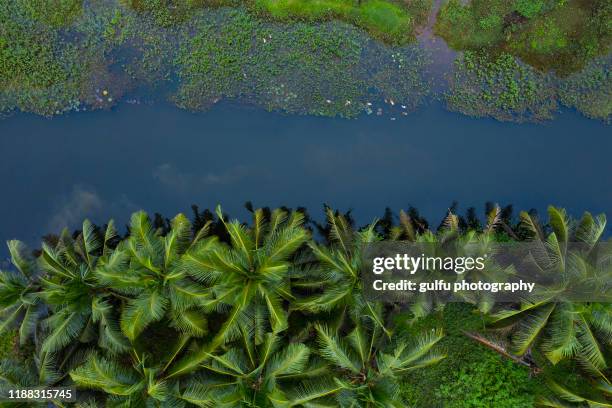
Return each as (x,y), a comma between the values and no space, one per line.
(35,373)
(79,303)
(150,281)
(335,273)
(137,384)
(550,321)
(19,293)
(268,375)
(596,395)
(337,277)
(249,281)
(41,370)
(369,366)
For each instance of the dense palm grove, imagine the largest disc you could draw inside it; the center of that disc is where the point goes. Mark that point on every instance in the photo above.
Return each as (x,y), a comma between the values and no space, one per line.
(219,313)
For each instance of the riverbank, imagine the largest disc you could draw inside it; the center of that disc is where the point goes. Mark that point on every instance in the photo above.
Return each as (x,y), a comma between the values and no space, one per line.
(88,58)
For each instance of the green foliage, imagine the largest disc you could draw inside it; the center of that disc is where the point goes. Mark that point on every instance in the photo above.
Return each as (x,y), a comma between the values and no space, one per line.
(261,316)
(473,25)
(394,23)
(63,55)
(558,328)
(560,36)
(31,63)
(370,377)
(130,319)
(489,382)
(50,67)
(529,8)
(7,342)
(470,376)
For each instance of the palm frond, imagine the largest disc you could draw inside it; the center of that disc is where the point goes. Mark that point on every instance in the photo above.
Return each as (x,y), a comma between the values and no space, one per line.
(20,258)
(291,360)
(560,223)
(177,240)
(64,327)
(590,348)
(310,392)
(530,327)
(590,229)
(332,349)
(88,243)
(568,395)
(192,322)
(108,376)
(140,312)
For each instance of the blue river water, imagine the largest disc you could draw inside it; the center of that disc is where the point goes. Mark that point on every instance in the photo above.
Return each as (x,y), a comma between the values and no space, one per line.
(103,165)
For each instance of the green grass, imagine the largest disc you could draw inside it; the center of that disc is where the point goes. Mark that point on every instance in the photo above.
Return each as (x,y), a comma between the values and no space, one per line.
(383,19)
(471,376)
(392,22)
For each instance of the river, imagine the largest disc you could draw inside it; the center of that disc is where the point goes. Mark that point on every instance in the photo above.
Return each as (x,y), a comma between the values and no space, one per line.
(159,158)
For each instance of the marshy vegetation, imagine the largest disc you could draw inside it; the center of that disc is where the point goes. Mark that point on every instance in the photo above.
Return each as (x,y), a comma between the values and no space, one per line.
(558,35)
(523,59)
(328,69)
(518,60)
(218,312)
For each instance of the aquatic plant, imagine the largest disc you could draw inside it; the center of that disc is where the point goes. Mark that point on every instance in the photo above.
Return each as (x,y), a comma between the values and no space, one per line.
(590,90)
(37,71)
(326,69)
(56,13)
(500,87)
(168,13)
(50,68)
